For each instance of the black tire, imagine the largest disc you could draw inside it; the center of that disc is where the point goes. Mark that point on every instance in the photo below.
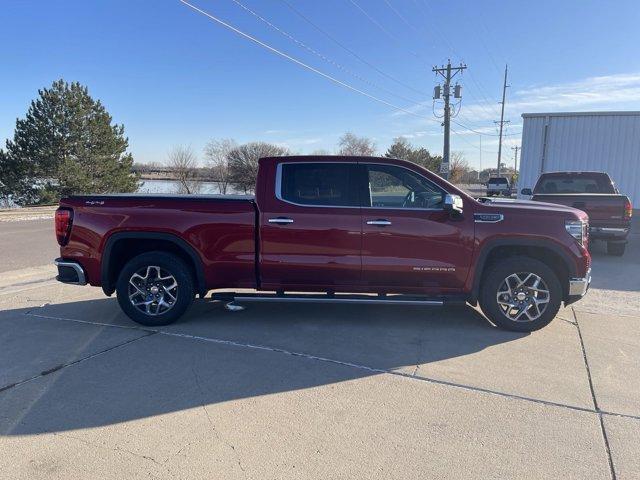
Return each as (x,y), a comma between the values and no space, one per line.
(169,265)
(616,248)
(494,278)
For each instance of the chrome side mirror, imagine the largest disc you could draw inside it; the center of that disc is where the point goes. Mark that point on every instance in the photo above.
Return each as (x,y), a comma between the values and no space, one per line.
(453,203)
(526,191)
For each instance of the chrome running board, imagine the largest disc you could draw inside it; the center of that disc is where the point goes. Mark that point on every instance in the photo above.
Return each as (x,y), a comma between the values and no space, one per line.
(233,301)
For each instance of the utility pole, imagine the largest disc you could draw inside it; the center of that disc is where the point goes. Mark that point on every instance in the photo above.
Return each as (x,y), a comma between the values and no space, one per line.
(447,72)
(502,120)
(515,163)
(480,171)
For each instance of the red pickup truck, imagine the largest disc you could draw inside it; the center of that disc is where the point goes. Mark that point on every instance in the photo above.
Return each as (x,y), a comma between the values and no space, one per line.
(594,193)
(328,229)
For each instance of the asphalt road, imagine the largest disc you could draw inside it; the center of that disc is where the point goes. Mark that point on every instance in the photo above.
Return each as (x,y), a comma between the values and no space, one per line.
(27,243)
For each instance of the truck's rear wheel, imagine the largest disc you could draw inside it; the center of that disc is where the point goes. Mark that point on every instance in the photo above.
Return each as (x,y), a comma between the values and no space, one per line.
(521,294)
(155,288)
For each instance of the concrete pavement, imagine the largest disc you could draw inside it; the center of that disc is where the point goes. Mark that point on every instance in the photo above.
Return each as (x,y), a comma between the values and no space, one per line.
(288,391)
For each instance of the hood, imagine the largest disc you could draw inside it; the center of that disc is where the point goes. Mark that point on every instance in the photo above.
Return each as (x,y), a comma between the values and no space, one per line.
(531,206)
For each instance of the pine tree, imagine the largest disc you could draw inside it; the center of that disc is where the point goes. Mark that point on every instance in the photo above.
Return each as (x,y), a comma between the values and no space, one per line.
(66,145)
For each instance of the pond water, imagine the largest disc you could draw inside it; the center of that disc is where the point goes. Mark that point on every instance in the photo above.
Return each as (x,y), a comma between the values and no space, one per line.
(171,186)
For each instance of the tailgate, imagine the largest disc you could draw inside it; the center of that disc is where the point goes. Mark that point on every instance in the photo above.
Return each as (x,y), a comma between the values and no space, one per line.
(603,209)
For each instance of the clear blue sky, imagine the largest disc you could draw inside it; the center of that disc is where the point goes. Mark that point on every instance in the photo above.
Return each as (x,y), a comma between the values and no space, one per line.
(174,77)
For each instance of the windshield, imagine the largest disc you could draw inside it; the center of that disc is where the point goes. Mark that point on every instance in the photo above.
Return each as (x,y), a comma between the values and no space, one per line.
(575,184)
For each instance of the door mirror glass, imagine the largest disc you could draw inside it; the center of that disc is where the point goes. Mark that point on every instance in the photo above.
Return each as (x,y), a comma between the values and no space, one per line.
(453,203)
(526,191)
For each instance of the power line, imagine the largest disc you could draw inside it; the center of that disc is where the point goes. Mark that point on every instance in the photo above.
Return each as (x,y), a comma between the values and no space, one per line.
(315,70)
(482,23)
(451,48)
(300,63)
(484,133)
(445,40)
(383,29)
(410,25)
(347,49)
(321,55)
(402,17)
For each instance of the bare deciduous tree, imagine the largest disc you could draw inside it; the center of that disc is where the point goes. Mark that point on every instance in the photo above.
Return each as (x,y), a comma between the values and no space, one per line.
(184,163)
(458,167)
(350,144)
(243,163)
(321,151)
(217,154)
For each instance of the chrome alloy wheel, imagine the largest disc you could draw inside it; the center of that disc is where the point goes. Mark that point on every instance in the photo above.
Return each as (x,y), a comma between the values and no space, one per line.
(153,290)
(523,297)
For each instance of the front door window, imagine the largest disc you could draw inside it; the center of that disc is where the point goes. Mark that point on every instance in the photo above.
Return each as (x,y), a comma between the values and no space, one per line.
(397,187)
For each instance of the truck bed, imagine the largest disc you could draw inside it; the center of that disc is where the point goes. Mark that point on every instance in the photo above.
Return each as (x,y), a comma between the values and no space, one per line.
(153,196)
(219,229)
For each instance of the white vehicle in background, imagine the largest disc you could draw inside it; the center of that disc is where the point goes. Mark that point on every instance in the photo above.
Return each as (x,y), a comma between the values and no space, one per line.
(498,186)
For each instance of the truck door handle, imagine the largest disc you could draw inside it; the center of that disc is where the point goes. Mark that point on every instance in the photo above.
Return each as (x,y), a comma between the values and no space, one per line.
(281,220)
(380,222)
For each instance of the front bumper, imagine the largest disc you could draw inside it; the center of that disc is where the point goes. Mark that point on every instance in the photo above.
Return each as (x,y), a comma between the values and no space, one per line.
(578,287)
(70,272)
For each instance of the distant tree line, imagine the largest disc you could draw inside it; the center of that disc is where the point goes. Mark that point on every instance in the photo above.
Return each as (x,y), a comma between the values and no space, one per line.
(68,144)
(235,166)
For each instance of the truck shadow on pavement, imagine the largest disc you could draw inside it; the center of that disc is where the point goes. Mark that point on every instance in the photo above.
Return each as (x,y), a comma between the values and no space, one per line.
(61,374)
(616,273)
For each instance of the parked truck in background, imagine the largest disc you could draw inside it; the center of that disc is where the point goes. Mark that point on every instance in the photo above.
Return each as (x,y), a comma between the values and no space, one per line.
(594,193)
(498,186)
(355,229)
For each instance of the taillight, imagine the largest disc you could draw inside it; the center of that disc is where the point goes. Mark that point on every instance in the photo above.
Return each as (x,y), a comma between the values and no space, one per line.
(63,220)
(628,209)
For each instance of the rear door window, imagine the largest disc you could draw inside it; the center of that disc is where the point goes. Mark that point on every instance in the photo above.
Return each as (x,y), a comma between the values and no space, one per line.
(319,184)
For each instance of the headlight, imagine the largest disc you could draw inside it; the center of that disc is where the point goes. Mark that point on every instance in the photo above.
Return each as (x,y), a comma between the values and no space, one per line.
(577,229)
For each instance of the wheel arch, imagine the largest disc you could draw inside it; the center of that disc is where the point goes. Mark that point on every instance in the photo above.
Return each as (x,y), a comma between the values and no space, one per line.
(120,247)
(545,251)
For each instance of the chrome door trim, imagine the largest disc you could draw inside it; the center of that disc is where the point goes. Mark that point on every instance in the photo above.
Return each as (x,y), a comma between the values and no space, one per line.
(281,221)
(477,217)
(380,222)
(278,188)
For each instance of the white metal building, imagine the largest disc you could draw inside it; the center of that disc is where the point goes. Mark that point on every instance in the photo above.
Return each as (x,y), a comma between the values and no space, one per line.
(590,141)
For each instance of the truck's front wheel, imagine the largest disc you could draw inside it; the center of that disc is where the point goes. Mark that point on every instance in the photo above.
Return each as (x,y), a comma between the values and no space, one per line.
(155,288)
(521,294)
